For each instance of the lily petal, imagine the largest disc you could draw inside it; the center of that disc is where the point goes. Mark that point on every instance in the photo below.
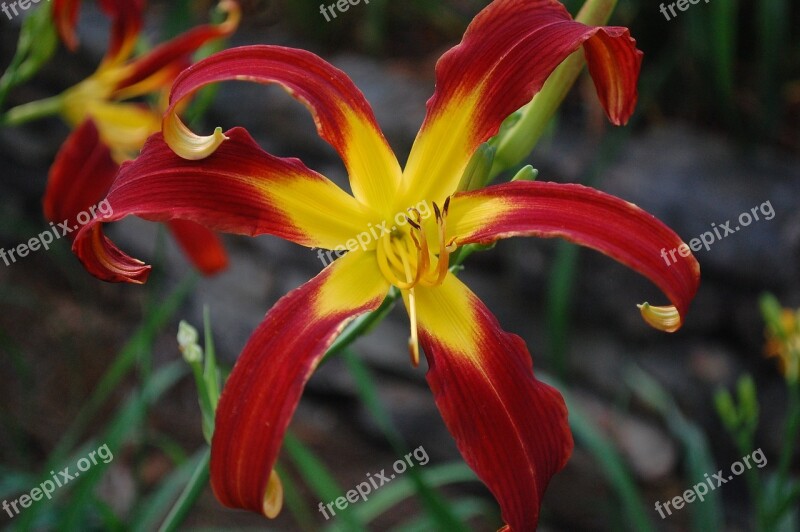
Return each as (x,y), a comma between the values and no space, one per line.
(342,115)
(507,53)
(124,126)
(126,18)
(203,246)
(510,428)
(160,66)
(80,176)
(65,17)
(239,189)
(587,217)
(267,381)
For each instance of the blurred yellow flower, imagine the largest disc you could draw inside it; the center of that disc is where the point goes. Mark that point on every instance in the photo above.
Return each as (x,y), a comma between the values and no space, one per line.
(783,342)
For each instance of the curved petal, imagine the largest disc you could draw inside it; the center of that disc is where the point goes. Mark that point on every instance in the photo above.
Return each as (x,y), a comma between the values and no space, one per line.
(65,18)
(203,246)
(80,176)
(342,115)
(511,429)
(507,53)
(267,381)
(239,189)
(126,19)
(159,67)
(587,217)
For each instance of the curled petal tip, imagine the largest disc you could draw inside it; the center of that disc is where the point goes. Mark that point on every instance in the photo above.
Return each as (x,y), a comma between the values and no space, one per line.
(186,143)
(233,15)
(666,319)
(273,498)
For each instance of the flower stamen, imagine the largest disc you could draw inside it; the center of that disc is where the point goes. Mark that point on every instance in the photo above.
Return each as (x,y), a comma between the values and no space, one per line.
(405,259)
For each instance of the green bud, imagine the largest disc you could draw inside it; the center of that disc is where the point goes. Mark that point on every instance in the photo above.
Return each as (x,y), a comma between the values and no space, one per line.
(748,403)
(187,335)
(476,174)
(526,173)
(726,409)
(192,353)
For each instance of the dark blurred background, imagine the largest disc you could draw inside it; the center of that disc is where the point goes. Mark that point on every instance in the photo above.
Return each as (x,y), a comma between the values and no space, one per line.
(715,134)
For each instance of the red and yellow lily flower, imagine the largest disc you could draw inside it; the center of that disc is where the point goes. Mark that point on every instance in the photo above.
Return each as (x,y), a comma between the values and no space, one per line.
(110,128)
(511,428)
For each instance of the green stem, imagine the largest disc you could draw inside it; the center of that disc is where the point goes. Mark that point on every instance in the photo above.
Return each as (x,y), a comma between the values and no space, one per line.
(744,441)
(790,436)
(28,112)
(189,496)
(362,324)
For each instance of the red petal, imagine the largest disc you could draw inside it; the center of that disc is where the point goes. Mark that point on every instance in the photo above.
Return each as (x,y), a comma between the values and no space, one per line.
(507,53)
(203,246)
(582,215)
(126,19)
(65,17)
(80,176)
(164,62)
(268,379)
(239,189)
(511,428)
(342,115)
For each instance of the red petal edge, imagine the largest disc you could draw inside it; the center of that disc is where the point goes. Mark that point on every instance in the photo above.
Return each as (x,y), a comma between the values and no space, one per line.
(80,177)
(267,381)
(511,428)
(512,47)
(222,193)
(587,217)
(203,246)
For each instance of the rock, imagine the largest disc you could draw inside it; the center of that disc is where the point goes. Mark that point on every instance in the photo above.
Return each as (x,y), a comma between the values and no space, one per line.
(648,450)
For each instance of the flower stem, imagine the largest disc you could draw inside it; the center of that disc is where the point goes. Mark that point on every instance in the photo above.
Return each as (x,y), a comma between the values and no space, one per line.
(28,112)
(790,436)
(189,496)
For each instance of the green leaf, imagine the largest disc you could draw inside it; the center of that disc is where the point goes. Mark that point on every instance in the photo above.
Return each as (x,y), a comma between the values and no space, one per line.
(699,459)
(402,488)
(294,501)
(197,473)
(465,509)
(320,480)
(141,341)
(36,44)
(610,462)
(437,508)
